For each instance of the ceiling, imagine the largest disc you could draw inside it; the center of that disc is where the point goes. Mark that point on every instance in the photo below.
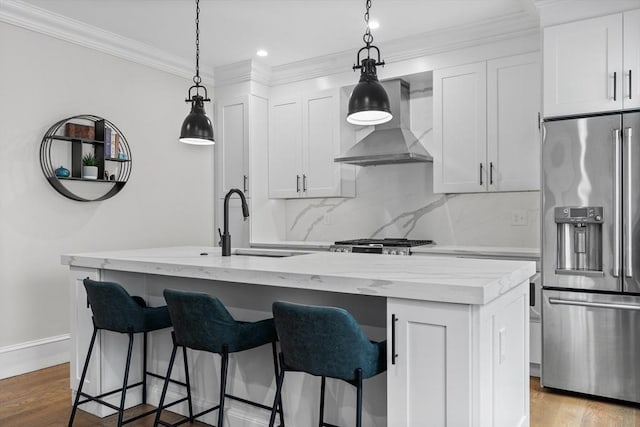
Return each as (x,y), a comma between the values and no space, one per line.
(290,30)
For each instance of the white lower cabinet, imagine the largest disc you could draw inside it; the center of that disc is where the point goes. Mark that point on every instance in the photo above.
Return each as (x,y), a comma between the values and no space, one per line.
(458,365)
(486,135)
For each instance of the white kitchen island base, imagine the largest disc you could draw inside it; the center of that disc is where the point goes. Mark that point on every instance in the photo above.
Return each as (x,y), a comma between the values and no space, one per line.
(460,339)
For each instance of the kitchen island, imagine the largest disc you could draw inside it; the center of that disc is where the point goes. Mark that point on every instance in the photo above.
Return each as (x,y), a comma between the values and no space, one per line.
(457,331)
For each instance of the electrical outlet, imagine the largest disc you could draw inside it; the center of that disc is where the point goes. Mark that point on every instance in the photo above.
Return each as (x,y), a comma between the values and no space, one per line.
(519,217)
(326,220)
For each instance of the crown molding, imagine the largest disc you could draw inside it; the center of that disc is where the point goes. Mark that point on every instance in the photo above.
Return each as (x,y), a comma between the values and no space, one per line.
(553,12)
(430,43)
(21,14)
(243,71)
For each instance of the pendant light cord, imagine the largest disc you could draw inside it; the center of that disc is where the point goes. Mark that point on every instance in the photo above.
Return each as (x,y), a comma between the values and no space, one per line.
(367,37)
(196,79)
(368,45)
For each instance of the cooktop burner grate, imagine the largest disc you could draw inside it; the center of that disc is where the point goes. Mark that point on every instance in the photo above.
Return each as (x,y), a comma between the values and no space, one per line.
(404,243)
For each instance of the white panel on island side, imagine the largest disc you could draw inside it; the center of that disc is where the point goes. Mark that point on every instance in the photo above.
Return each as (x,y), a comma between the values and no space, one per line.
(457,331)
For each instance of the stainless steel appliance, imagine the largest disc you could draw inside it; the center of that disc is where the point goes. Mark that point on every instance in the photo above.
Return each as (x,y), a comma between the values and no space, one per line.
(590,247)
(378,246)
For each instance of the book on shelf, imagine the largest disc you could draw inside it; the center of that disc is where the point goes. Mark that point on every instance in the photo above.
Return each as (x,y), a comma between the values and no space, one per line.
(76,130)
(115,149)
(107,143)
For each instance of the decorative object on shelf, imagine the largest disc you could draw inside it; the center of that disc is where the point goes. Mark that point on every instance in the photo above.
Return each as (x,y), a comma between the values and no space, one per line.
(197,128)
(72,140)
(369,103)
(89,167)
(79,131)
(62,172)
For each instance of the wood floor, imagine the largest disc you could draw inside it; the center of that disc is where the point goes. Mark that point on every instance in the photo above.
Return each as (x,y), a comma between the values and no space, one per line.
(42,398)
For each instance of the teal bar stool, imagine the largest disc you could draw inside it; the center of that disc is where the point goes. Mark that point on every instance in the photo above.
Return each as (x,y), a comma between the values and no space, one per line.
(325,342)
(116,311)
(202,322)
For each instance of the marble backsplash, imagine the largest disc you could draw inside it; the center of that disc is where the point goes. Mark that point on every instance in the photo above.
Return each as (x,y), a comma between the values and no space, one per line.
(395,201)
(398,201)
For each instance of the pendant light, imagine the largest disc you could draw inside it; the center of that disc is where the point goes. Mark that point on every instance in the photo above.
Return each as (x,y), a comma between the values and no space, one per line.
(197,128)
(369,103)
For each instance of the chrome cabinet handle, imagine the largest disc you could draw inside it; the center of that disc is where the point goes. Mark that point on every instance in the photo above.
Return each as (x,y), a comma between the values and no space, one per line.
(394,319)
(615,85)
(297,183)
(244,183)
(628,267)
(490,173)
(560,301)
(480,173)
(630,85)
(616,204)
(304,183)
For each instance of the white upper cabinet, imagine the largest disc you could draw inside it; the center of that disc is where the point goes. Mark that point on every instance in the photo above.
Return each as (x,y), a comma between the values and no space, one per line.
(486,126)
(232,141)
(631,56)
(285,147)
(513,134)
(304,138)
(460,120)
(583,65)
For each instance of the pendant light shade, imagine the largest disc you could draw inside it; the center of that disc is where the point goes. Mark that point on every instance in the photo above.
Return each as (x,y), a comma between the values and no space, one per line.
(369,102)
(197,128)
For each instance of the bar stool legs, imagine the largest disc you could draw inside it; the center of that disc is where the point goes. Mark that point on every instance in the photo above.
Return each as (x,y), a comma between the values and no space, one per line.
(223,382)
(125,386)
(126,380)
(357,383)
(224,370)
(323,383)
(76,401)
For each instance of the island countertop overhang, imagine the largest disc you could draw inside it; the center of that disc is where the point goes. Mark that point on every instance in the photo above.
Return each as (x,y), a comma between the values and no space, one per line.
(443,279)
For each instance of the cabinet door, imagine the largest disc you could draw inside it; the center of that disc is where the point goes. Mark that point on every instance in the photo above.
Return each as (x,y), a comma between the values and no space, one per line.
(460,122)
(513,138)
(285,148)
(583,66)
(631,70)
(321,136)
(233,145)
(428,380)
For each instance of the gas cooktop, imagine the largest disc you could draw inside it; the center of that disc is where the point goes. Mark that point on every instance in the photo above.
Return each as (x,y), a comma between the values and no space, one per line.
(378,246)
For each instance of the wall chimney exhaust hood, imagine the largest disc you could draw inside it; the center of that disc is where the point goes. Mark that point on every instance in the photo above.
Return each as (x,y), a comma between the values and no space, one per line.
(391,142)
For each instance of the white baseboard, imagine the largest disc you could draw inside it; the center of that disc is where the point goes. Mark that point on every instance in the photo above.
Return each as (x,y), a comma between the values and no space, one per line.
(534,370)
(33,355)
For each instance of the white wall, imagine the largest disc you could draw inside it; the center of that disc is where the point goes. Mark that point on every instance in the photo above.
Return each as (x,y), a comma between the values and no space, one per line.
(167,201)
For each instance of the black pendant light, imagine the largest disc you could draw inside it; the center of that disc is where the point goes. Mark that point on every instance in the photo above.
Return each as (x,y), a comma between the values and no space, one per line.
(369,103)
(197,128)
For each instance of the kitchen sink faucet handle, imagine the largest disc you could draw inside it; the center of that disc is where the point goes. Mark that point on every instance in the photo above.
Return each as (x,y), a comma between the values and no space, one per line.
(220,234)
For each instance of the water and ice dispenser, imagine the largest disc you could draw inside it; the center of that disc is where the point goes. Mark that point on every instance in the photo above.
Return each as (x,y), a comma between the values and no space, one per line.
(579,239)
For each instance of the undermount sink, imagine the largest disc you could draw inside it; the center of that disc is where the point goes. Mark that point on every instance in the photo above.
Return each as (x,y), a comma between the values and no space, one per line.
(270,253)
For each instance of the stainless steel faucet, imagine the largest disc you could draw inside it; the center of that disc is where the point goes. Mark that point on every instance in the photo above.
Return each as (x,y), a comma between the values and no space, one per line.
(225,238)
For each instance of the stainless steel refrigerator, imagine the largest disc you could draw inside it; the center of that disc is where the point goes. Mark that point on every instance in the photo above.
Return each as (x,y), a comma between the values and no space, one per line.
(591,255)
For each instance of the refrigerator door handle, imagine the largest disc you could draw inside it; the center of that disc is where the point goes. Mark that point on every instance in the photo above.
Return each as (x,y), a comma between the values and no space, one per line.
(616,204)
(561,301)
(628,255)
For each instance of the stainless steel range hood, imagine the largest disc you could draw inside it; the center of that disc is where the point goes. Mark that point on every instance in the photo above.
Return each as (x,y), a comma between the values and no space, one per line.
(391,142)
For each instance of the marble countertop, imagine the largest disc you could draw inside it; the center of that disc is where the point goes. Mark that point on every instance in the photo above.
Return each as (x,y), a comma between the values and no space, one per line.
(481,251)
(446,279)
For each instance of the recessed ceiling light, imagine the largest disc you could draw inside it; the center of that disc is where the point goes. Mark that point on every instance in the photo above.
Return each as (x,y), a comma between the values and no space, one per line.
(374,25)
(262,52)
